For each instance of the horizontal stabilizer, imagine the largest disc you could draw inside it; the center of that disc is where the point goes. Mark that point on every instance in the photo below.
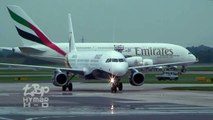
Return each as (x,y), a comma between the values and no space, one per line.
(30,50)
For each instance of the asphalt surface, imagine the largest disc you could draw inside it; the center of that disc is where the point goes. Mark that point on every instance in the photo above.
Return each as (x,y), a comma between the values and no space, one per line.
(94,101)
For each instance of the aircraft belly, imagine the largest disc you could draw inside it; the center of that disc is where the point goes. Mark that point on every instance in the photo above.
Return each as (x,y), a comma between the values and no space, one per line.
(98,74)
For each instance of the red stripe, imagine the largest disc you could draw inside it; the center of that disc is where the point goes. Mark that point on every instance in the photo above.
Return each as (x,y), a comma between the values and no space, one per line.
(46,41)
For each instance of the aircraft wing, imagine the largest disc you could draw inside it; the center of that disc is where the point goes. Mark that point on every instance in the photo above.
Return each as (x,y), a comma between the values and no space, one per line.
(165,64)
(75,71)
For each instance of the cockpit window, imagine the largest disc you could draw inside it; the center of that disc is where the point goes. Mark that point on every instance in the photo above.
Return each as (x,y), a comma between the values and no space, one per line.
(114,60)
(121,60)
(189,53)
(108,60)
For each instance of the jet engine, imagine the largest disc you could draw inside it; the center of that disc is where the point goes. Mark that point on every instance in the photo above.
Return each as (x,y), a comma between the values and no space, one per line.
(136,78)
(147,62)
(134,61)
(59,78)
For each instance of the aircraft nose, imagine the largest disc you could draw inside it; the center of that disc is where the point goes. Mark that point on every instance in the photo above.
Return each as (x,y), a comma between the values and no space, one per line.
(194,58)
(120,70)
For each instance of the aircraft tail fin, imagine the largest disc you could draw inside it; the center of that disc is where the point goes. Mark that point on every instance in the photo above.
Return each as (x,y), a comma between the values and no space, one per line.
(71,35)
(29,31)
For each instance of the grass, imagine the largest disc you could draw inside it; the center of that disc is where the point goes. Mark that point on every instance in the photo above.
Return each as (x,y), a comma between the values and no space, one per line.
(200,67)
(24,72)
(149,77)
(199,88)
(207,68)
(7,76)
(25,79)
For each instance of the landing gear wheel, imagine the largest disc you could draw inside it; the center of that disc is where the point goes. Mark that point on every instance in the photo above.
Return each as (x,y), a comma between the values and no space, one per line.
(64,88)
(120,86)
(70,86)
(113,89)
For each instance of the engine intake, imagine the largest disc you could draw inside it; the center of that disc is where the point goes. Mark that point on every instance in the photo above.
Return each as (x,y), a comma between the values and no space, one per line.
(59,78)
(136,78)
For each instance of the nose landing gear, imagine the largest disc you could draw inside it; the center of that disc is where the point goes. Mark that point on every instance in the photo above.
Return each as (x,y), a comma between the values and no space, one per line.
(115,84)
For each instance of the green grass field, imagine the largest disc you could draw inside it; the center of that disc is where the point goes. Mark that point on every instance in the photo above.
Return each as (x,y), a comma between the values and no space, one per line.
(197,68)
(200,67)
(37,76)
(198,88)
(7,75)
(24,72)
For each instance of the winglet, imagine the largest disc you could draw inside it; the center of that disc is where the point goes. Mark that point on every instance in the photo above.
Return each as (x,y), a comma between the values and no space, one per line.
(71,35)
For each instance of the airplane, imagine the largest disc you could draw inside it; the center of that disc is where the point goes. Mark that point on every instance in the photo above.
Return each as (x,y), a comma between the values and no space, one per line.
(109,61)
(90,64)
(35,44)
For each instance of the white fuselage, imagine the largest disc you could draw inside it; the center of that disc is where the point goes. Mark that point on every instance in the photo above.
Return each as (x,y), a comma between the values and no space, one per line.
(96,63)
(158,52)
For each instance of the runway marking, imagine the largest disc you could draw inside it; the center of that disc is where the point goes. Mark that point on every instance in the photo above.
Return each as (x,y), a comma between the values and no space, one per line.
(133,101)
(4,118)
(4,94)
(106,110)
(48,117)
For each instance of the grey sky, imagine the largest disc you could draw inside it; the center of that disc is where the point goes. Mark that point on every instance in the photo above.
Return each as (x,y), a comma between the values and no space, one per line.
(182,22)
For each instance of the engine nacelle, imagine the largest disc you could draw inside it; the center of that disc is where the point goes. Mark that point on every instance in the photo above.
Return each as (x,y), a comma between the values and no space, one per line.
(59,78)
(136,78)
(147,62)
(134,61)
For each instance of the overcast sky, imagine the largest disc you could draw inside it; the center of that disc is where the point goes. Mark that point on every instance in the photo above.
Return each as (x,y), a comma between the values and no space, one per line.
(182,22)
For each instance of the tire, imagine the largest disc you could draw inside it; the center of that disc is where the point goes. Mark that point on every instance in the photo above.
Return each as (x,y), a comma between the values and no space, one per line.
(120,86)
(113,89)
(64,88)
(70,87)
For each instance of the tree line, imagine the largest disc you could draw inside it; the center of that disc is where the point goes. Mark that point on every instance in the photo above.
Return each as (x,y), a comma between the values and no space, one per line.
(203,53)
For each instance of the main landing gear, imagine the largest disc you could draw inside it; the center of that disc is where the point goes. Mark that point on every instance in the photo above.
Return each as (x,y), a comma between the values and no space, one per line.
(115,84)
(68,85)
(183,69)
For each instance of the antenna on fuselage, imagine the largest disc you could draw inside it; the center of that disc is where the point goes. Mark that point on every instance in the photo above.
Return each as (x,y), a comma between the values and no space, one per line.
(71,35)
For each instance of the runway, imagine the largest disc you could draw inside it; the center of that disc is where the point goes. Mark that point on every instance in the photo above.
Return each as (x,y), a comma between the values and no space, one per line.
(94,101)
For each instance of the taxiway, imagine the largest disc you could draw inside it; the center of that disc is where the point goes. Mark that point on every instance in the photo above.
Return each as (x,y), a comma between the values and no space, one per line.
(94,101)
